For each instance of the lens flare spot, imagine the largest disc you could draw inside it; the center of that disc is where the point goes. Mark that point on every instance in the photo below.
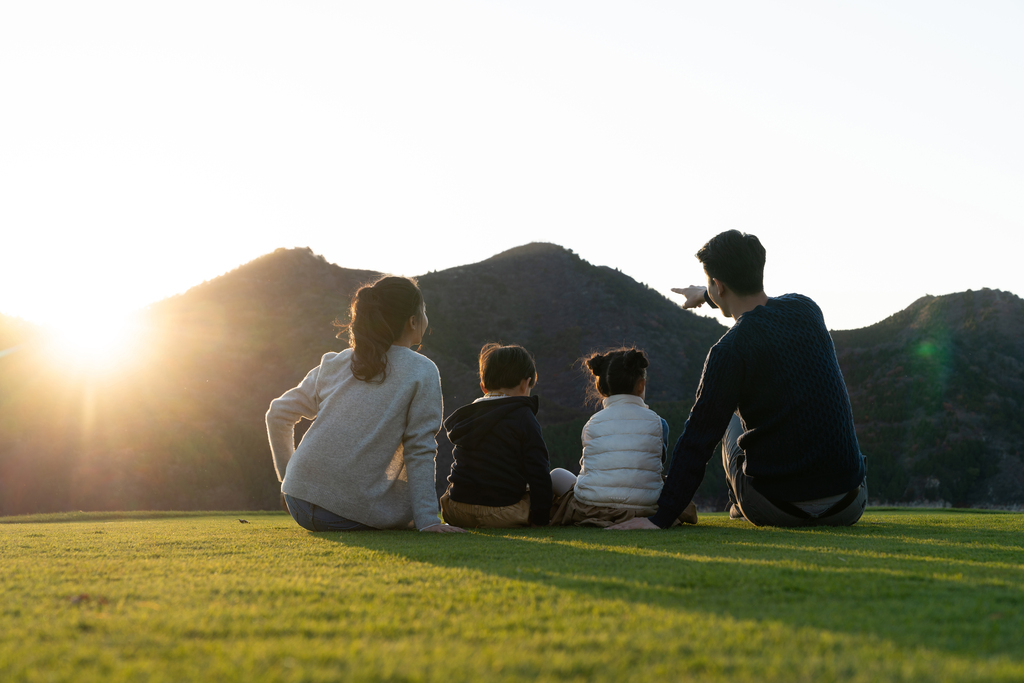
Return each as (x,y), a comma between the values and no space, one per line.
(926,349)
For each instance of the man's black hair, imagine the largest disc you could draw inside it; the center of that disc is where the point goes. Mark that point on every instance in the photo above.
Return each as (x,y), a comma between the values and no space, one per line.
(737,259)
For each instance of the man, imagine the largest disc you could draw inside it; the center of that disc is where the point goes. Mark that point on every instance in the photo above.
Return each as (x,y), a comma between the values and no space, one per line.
(772,391)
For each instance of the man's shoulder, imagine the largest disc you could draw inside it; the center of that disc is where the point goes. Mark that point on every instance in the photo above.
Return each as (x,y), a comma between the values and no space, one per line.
(785,310)
(792,296)
(800,304)
(781,318)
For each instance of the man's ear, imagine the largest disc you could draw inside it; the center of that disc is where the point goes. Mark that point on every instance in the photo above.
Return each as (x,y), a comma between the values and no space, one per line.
(483,388)
(719,285)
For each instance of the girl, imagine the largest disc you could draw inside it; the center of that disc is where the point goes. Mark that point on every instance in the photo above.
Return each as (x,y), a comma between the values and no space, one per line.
(624,448)
(367,461)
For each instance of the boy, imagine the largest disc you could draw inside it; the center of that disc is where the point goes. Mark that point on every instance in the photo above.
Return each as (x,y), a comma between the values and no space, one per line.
(500,474)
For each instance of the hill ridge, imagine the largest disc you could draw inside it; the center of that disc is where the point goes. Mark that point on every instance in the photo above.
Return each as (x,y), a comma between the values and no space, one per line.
(937,388)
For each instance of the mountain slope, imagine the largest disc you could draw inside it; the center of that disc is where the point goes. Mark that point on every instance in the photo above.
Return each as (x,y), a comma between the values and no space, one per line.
(938,398)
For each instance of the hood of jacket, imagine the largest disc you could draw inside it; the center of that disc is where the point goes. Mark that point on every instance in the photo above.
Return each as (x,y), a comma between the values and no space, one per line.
(471,423)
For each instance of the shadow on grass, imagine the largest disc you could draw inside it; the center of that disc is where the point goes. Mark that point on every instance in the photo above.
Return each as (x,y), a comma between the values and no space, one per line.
(952,582)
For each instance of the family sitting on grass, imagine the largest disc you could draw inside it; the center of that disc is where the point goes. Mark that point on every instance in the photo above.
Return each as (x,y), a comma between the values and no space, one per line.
(771,392)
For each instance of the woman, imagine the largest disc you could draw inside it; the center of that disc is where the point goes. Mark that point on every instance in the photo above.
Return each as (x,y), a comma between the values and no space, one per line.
(367,461)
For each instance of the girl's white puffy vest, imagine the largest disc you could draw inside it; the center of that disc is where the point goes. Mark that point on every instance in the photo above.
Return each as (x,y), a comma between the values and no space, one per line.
(621,464)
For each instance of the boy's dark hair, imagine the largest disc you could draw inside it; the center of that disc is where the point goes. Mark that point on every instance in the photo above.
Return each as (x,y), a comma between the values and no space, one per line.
(504,367)
(737,259)
(616,371)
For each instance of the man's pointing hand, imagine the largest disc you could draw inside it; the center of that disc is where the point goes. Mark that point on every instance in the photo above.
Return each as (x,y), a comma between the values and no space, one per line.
(694,295)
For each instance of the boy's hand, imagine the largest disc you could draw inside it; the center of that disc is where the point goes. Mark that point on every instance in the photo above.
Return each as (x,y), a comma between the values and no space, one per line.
(694,295)
(635,523)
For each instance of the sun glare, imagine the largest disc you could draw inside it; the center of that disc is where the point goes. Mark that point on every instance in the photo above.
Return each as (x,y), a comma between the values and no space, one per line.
(96,343)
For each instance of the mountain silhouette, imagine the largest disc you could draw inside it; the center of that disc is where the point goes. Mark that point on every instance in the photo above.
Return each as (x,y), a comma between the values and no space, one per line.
(936,388)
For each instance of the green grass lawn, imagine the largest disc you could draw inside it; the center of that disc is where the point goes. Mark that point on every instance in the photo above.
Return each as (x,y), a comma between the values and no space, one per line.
(904,595)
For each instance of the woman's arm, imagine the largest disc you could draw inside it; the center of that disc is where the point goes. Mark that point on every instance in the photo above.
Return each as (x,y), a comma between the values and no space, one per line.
(419,448)
(284,412)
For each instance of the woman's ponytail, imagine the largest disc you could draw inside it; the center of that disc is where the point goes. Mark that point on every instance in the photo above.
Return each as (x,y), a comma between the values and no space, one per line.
(379,314)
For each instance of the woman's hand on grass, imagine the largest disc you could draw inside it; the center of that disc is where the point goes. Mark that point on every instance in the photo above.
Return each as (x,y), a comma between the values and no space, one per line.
(635,523)
(443,529)
(694,295)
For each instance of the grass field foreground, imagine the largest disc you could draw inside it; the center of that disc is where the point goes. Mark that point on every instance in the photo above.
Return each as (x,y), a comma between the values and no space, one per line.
(903,596)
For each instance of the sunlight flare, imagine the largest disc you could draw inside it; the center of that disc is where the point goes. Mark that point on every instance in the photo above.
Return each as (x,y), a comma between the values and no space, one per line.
(97,342)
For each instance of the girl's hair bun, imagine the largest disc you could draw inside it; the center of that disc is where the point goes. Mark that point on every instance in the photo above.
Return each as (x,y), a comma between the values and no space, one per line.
(597,363)
(634,360)
(616,372)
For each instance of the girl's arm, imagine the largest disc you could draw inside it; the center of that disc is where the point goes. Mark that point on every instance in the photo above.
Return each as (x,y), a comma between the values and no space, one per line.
(284,412)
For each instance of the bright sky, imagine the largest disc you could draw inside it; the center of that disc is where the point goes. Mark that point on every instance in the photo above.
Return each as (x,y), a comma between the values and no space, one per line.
(876,148)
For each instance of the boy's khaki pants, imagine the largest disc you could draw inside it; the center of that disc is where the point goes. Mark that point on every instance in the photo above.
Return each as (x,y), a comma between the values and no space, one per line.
(470,516)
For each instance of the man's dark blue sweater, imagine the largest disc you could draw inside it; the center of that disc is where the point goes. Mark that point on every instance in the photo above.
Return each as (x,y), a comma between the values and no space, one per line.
(777,368)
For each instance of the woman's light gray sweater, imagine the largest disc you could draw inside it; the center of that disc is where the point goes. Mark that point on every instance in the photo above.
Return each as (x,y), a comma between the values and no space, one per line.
(369,454)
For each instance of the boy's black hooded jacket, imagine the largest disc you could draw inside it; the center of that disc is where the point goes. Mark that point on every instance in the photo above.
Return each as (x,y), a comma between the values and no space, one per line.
(498,451)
